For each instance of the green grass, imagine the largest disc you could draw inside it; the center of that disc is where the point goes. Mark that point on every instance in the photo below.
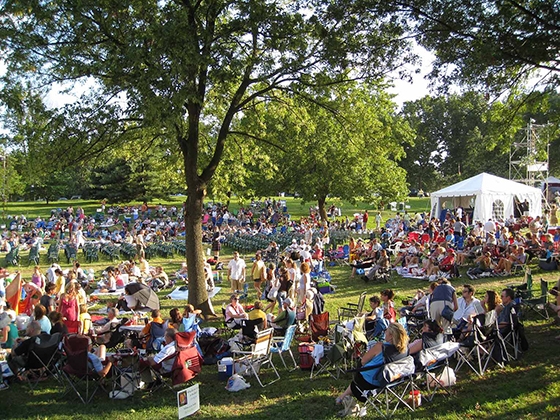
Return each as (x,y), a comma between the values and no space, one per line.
(525,389)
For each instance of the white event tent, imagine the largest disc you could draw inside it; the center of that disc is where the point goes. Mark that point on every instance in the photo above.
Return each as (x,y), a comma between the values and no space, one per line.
(491,196)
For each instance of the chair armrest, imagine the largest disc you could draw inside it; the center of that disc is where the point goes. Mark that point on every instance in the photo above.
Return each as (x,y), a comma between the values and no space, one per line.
(241,352)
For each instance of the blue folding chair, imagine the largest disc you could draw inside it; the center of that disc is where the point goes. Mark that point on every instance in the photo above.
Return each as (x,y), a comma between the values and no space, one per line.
(282,344)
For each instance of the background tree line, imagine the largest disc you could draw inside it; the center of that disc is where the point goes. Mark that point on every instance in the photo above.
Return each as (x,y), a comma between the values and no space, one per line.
(365,150)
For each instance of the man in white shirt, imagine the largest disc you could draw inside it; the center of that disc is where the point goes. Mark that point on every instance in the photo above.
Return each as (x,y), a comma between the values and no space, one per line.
(469,306)
(489,227)
(236,272)
(161,362)
(51,276)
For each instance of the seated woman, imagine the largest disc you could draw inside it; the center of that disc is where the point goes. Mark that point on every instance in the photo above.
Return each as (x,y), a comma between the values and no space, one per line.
(484,264)
(432,335)
(516,256)
(394,348)
(234,312)
(489,303)
(57,322)
(175,319)
(382,265)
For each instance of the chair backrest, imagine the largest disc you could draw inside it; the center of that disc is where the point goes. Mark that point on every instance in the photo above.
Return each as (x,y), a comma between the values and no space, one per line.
(346,250)
(262,342)
(529,279)
(185,339)
(44,349)
(359,332)
(432,355)
(187,364)
(544,288)
(157,330)
(288,338)
(73,326)
(394,371)
(319,325)
(76,348)
(361,302)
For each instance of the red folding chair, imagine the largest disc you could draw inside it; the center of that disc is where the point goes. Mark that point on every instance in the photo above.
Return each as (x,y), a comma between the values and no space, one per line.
(319,325)
(187,363)
(74,327)
(81,378)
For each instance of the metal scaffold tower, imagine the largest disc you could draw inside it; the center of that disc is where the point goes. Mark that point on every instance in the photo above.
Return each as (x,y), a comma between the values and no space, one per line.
(524,163)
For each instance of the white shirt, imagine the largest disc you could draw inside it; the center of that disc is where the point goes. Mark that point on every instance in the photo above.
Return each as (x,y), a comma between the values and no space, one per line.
(490,227)
(50,273)
(166,351)
(464,311)
(236,268)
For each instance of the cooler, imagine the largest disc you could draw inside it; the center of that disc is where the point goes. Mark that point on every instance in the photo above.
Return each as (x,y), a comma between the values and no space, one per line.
(225,368)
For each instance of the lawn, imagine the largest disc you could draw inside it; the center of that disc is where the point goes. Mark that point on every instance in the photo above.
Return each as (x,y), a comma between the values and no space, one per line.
(526,389)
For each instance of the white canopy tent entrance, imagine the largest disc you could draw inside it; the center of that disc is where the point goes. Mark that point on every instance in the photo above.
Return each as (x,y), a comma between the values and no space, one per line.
(489,197)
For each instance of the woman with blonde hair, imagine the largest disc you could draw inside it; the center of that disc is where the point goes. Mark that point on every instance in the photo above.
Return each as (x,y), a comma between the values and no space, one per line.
(68,303)
(394,348)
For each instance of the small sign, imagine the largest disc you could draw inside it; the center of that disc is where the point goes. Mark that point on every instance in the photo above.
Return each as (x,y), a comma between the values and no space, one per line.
(188,401)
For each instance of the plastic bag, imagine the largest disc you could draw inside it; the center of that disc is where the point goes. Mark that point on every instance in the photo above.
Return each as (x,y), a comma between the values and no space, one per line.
(237,383)
(446,378)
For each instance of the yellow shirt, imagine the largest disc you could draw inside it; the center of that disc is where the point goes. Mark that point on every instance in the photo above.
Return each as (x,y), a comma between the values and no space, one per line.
(256,314)
(59,284)
(85,319)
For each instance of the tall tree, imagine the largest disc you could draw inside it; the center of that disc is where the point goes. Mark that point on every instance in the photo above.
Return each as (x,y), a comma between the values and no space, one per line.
(459,136)
(490,44)
(345,147)
(158,65)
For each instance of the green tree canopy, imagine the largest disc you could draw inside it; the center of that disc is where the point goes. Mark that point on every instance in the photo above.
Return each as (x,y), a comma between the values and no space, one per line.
(490,44)
(346,146)
(159,65)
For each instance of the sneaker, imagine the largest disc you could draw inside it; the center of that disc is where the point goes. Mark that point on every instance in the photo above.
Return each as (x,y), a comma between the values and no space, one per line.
(363,412)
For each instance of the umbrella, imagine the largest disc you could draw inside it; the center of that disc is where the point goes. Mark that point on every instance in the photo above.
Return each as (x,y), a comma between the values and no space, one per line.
(143,294)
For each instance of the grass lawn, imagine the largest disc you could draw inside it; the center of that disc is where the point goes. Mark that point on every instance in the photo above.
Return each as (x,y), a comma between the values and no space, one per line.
(525,389)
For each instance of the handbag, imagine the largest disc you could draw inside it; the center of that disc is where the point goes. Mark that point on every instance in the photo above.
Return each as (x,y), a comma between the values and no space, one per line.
(272,293)
(447,313)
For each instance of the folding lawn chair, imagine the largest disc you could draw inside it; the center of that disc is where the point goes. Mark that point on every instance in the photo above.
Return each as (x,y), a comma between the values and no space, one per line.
(80,377)
(44,355)
(433,361)
(536,304)
(282,345)
(397,384)
(260,355)
(352,309)
(480,347)
(186,365)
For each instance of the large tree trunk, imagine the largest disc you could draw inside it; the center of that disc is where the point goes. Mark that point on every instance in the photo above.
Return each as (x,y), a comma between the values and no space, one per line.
(198,296)
(322,210)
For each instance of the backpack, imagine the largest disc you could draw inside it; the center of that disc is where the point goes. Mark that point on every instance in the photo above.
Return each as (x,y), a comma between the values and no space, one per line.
(523,343)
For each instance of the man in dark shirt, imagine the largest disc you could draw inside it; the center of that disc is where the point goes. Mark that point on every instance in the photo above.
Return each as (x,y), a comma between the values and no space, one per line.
(18,357)
(504,311)
(48,300)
